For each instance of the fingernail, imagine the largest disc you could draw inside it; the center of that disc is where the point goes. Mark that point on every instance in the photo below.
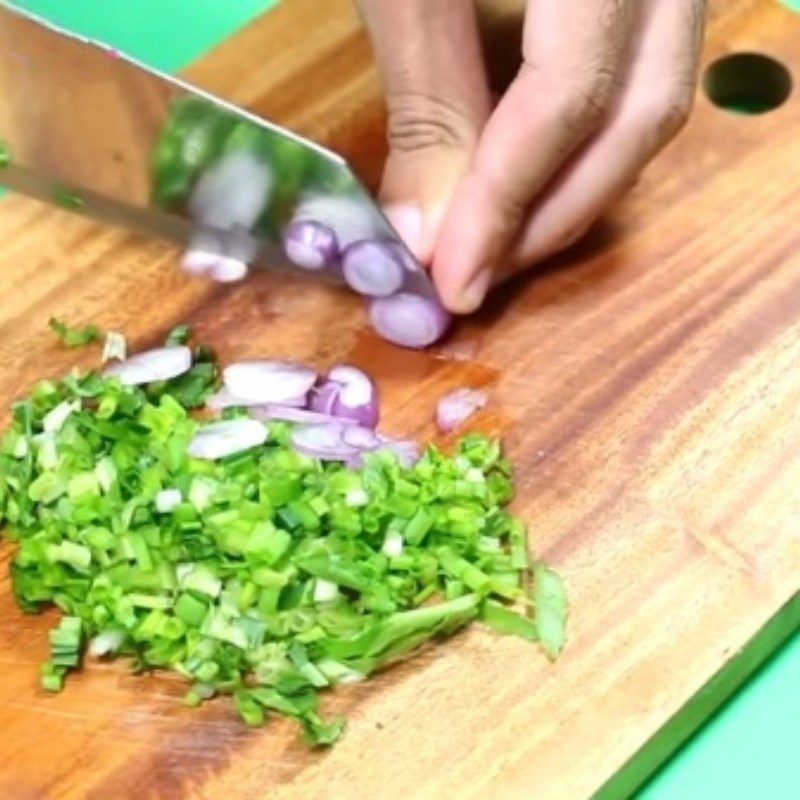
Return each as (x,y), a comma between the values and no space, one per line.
(406,219)
(473,294)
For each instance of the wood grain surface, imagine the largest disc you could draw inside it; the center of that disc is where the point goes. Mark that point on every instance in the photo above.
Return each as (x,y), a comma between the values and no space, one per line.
(648,388)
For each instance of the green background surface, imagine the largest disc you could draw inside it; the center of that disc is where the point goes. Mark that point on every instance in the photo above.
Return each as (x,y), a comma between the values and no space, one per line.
(167,34)
(747,750)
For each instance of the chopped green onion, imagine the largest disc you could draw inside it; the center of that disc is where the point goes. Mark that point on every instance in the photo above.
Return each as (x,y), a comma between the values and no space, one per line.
(265,575)
(518,540)
(115,347)
(180,334)
(507,621)
(74,337)
(65,652)
(418,527)
(550,608)
(68,198)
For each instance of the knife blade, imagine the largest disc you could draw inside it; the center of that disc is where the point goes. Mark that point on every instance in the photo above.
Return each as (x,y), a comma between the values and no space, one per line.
(95,131)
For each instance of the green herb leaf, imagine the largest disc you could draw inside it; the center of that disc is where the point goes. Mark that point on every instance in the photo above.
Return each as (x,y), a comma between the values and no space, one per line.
(180,334)
(550,607)
(115,347)
(74,337)
(68,198)
(507,621)
(319,732)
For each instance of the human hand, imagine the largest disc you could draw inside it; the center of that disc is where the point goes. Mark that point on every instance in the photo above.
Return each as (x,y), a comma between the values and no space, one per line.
(480,192)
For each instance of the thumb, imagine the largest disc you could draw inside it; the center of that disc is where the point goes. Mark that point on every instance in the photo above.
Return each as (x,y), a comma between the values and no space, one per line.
(430,62)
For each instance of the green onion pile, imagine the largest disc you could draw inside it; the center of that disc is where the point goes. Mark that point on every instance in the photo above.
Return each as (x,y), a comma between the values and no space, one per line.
(266,575)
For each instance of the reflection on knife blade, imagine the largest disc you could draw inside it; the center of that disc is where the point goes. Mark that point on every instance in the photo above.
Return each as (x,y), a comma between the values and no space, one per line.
(93,130)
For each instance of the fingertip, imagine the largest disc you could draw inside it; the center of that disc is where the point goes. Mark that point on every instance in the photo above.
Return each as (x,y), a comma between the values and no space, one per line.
(471,240)
(462,287)
(470,298)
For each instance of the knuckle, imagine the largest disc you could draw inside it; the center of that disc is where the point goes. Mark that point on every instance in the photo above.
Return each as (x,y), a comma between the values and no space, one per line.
(565,235)
(419,122)
(665,114)
(583,104)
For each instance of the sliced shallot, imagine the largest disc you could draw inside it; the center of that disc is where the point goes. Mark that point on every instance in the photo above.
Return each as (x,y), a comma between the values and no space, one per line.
(224,261)
(300,415)
(409,320)
(261,382)
(373,267)
(354,461)
(199,262)
(323,441)
(204,253)
(159,364)
(310,245)
(301,401)
(323,397)
(224,398)
(350,393)
(360,437)
(228,270)
(220,439)
(458,405)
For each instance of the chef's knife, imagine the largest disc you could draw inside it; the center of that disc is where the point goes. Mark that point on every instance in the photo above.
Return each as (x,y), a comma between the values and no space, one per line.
(95,131)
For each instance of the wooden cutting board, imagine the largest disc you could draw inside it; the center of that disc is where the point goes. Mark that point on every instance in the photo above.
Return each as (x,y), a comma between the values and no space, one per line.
(648,388)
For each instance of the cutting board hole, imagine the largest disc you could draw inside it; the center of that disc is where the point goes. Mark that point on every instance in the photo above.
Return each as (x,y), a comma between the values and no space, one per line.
(747,83)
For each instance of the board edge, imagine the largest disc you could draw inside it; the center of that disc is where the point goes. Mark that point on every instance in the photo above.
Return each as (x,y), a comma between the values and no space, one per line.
(701,707)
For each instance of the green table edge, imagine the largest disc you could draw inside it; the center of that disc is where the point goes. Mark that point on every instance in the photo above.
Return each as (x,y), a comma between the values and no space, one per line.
(700,708)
